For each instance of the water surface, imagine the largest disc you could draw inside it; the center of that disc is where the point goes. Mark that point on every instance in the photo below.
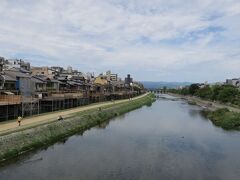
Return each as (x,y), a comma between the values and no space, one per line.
(169,140)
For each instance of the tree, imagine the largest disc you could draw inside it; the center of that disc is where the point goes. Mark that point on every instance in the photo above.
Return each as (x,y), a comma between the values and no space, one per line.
(205,92)
(193,89)
(164,89)
(184,91)
(228,94)
(216,90)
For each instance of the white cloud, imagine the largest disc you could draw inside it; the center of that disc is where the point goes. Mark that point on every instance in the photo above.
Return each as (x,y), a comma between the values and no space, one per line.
(139,36)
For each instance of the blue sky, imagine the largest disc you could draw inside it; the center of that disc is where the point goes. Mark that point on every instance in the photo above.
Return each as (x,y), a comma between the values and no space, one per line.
(157,40)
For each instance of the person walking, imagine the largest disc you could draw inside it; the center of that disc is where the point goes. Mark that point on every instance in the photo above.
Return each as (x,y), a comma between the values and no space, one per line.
(60,118)
(19,120)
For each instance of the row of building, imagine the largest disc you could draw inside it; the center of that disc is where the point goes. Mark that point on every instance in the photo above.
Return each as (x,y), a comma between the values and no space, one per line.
(233,82)
(41,89)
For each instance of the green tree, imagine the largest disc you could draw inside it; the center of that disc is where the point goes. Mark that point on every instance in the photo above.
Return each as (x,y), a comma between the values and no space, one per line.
(164,89)
(205,92)
(216,90)
(193,89)
(184,91)
(228,94)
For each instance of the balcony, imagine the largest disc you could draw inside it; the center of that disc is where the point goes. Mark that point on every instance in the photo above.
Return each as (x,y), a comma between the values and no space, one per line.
(63,95)
(10,99)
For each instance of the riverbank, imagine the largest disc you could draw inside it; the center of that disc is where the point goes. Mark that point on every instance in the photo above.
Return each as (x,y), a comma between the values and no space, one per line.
(221,115)
(206,104)
(224,118)
(17,143)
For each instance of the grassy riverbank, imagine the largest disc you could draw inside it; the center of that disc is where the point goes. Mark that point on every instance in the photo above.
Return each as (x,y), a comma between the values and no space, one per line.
(192,103)
(221,115)
(17,143)
(226,94)
(224,118)
(209,105)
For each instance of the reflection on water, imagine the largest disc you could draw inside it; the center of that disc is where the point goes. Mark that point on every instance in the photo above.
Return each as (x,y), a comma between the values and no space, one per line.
(169,140)
(103,125)
(194,112)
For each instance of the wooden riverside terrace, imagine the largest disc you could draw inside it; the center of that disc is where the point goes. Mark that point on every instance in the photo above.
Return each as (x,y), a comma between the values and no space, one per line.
(10,99)
(12,106)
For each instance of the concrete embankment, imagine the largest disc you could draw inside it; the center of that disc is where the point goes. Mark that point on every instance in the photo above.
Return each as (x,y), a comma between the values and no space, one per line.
(17,143)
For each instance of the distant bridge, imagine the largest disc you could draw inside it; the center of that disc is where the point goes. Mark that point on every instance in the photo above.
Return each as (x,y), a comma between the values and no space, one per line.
(158,91)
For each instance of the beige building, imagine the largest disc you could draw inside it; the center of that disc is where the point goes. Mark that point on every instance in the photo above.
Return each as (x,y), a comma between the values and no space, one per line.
(46,71)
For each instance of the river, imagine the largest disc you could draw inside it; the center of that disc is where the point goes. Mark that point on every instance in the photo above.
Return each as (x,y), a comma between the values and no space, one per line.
(168,140)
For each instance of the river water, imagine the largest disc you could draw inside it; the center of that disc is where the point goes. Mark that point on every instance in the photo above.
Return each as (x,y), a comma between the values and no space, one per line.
(169,140)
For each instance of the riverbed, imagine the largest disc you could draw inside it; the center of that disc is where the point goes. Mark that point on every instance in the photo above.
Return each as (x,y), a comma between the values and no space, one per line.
(168,140)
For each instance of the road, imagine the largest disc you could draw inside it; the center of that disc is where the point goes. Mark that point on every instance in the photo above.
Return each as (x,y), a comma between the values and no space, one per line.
(29,122)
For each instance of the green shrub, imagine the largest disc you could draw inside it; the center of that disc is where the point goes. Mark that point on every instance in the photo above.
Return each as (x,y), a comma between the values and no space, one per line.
(224,118)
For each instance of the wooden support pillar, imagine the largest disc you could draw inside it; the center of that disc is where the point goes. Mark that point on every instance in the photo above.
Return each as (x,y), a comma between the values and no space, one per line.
(52,105)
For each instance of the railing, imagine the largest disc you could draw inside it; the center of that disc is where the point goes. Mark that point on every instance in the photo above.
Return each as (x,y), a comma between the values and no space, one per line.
(10,99)
(64,95)
(17,99)
(124,92)
(64,91)
(96,94)
(113,93)
(29,99)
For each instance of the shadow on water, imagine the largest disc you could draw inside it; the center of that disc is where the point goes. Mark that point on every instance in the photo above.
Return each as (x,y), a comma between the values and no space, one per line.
(149,105)
(195,113)
(21,159)
(24,158)
(102,125)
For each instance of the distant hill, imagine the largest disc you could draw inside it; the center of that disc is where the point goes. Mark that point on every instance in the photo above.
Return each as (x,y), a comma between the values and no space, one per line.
(161,84)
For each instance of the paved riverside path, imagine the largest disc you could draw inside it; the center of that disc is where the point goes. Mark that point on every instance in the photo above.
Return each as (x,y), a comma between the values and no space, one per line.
(12,125)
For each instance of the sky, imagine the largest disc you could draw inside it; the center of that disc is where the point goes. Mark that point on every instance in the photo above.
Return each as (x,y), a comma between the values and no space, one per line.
(153,40)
